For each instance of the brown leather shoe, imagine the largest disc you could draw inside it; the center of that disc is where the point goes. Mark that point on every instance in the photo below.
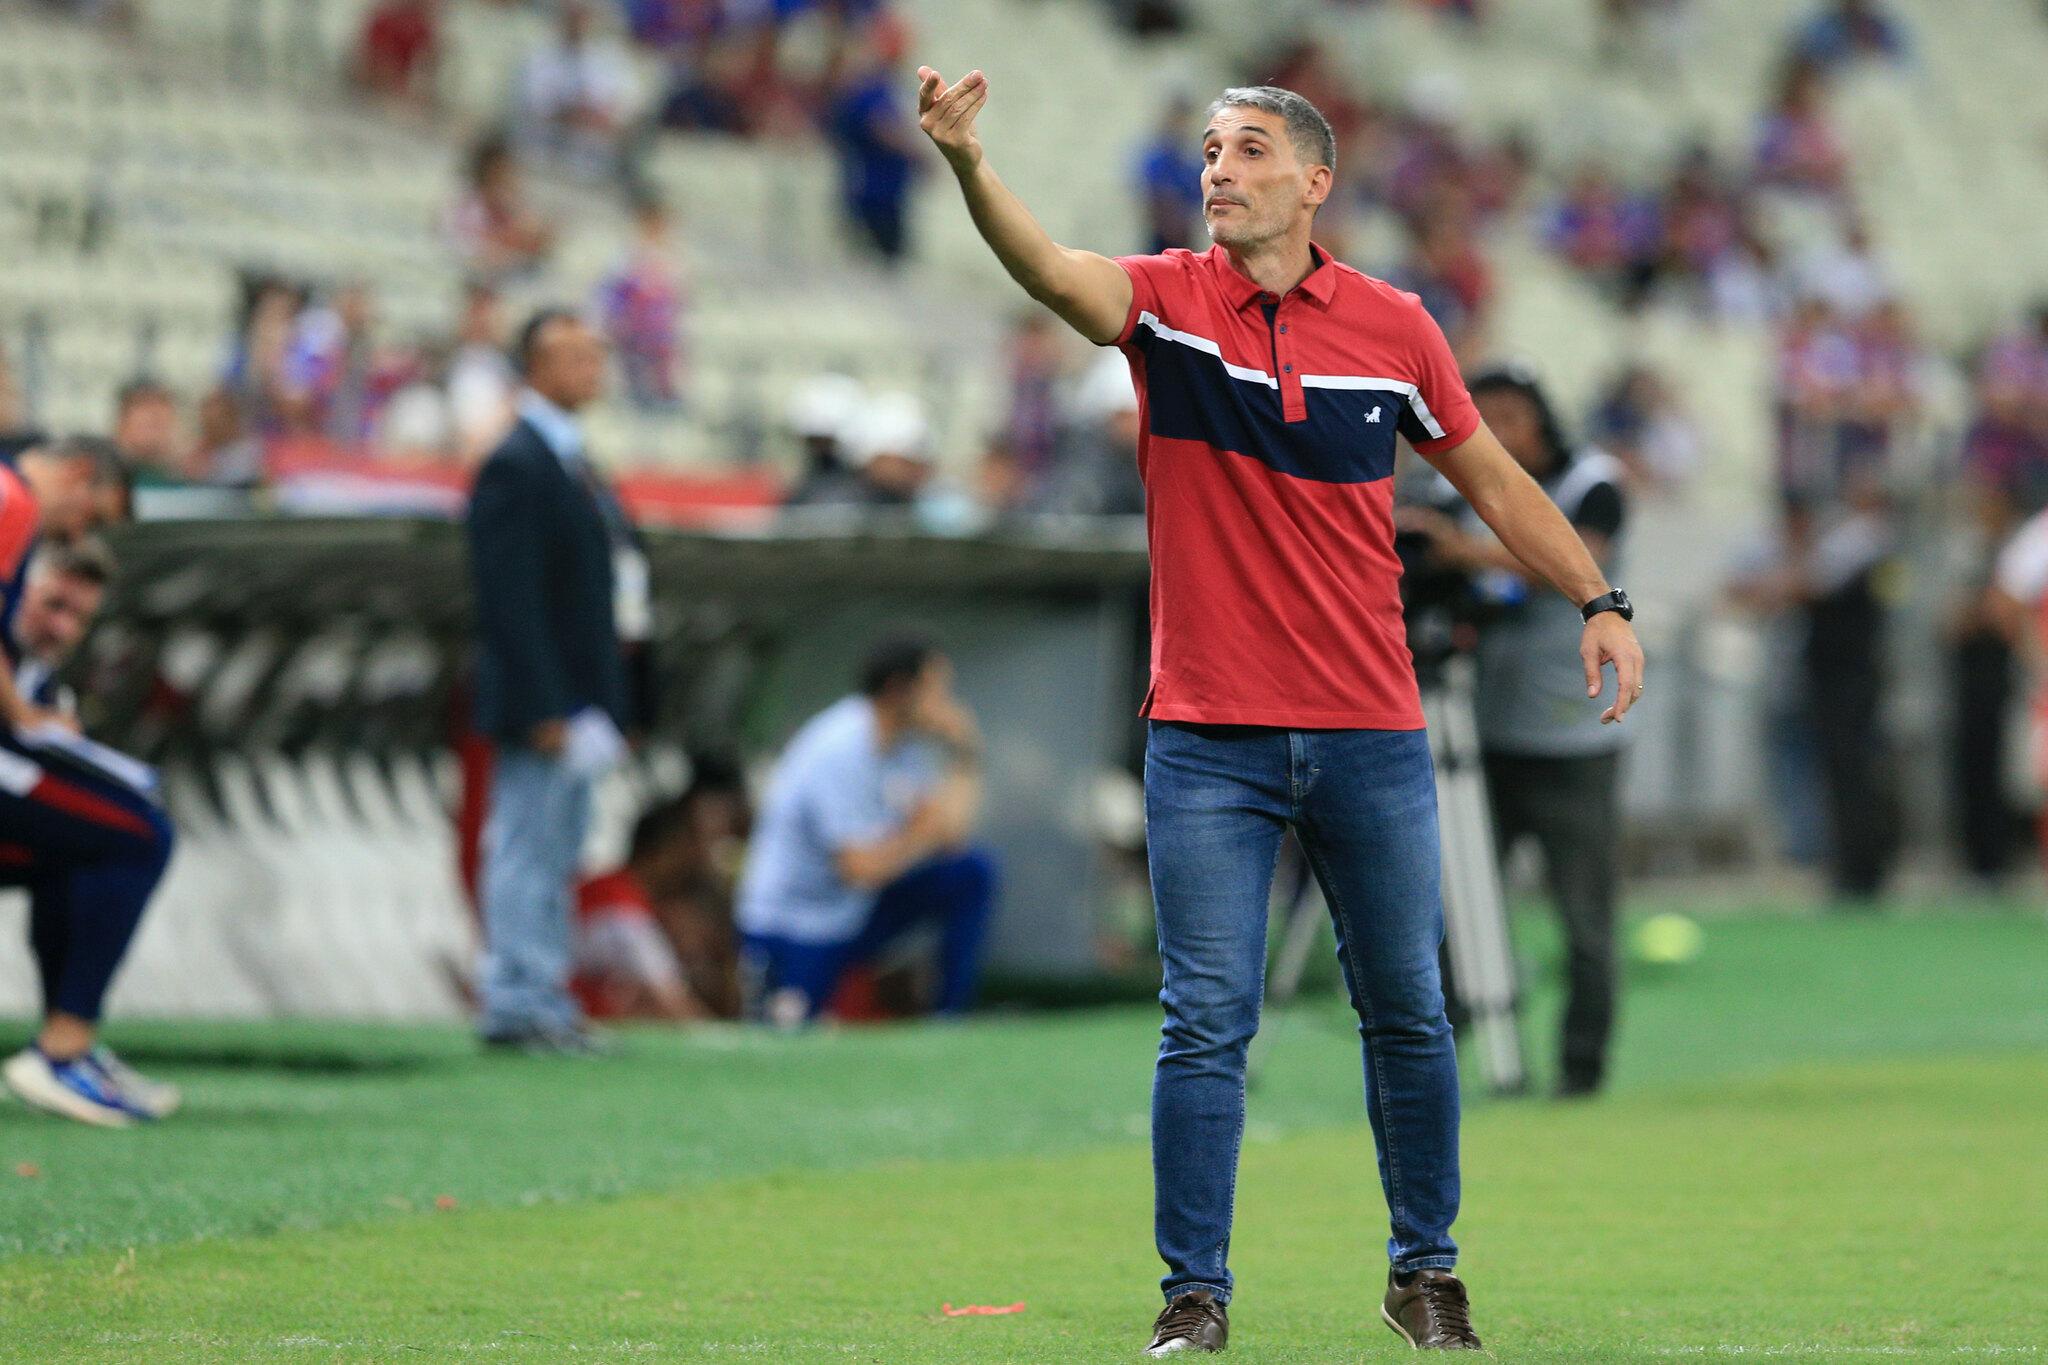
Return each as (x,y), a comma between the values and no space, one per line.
(1430,1311)
(1192,1322)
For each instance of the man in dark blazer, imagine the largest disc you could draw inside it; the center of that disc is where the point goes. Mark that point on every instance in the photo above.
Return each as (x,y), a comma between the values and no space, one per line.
(557,575)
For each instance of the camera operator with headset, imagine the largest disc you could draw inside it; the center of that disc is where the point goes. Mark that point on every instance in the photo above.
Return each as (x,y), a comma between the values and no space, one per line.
(1551,766)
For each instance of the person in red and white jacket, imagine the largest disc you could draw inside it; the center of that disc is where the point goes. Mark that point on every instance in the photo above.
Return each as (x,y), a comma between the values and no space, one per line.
(654,938)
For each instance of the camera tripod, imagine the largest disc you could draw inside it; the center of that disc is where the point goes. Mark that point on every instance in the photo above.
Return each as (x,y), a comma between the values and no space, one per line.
(1480,957)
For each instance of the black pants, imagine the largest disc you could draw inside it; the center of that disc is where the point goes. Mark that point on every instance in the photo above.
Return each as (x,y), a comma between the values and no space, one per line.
(90,849)
(1855,768)
(1985,824)
(1568,806)
(882,224)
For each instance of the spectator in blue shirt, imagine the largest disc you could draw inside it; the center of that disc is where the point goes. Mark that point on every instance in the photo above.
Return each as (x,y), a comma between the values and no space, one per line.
(864,835)
(875,135)
(1850,31)
(1170,179)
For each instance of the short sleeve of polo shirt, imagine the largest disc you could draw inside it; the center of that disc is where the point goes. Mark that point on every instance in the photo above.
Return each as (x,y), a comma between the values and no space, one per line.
(859,798)
(1152,278)
(1442,415)
(845,805)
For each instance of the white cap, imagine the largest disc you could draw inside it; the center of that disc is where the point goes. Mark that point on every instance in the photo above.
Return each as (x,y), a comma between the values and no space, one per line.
(416,418)
(824,405)
(888,424)
(1105,390)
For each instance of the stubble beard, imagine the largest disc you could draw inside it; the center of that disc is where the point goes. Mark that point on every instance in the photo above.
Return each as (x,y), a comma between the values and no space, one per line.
(1239,236)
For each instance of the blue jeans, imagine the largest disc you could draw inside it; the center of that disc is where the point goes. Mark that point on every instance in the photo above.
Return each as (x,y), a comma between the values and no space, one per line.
(1218,800)
(533,845)
(955,891)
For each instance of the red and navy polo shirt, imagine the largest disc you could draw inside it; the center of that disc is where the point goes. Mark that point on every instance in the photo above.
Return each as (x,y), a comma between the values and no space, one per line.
(1266,444)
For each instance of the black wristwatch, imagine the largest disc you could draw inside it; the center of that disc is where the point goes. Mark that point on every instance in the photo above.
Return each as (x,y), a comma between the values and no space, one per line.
(1616,602)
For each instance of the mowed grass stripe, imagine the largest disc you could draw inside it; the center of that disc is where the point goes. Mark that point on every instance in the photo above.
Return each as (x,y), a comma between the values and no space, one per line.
(1875,1210)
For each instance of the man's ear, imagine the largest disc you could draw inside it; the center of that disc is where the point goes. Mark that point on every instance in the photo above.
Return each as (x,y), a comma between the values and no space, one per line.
(1320,181)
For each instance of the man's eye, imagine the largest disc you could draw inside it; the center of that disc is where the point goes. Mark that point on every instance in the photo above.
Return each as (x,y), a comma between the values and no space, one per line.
(1251,151)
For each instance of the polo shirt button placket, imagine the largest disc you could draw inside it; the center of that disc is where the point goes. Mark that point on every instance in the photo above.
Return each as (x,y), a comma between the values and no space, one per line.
(1293,407)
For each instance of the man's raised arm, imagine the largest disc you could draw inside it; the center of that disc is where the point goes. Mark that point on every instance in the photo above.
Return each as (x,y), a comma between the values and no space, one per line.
(1091,293)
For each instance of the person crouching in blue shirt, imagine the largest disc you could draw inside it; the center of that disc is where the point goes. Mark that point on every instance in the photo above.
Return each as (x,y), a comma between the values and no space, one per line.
(864,836)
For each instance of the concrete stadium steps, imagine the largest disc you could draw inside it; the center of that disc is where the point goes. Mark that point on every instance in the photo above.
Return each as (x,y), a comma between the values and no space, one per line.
(205,173)
(198,174)
(781,296)
(1071,98)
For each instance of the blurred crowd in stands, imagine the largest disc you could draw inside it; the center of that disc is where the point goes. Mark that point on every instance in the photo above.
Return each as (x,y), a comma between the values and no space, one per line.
(1067,447)
(309,357)
(576,101)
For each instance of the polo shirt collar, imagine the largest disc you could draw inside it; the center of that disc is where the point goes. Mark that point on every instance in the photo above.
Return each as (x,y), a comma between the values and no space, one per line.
(561,431)
(1321,284)
(1242,291)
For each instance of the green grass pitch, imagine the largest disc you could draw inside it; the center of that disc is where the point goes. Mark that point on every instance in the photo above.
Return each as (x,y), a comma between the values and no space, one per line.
(1828,1139)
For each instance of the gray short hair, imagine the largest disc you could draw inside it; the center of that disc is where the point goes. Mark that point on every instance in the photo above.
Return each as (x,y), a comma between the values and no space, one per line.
(109,468)
(87,557)
(1307,129)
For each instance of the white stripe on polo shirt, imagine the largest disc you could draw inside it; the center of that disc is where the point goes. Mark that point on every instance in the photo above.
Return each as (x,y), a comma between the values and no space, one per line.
(1160,329)
(1308,381)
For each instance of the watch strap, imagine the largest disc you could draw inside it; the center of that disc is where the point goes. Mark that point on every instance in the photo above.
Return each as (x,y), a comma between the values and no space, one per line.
(1616,601)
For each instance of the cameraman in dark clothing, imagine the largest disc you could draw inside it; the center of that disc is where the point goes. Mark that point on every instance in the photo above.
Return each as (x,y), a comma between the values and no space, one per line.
(1551,767)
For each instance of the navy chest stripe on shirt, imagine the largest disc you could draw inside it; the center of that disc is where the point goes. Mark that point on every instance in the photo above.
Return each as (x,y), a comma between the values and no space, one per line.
(1193,394)
(1424,418)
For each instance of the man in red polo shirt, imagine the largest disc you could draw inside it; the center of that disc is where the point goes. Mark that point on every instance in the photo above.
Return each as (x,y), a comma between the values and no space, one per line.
(1272,383)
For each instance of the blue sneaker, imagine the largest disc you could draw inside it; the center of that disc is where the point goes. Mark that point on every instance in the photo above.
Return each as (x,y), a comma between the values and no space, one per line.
(77,1089)
(153,1098)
